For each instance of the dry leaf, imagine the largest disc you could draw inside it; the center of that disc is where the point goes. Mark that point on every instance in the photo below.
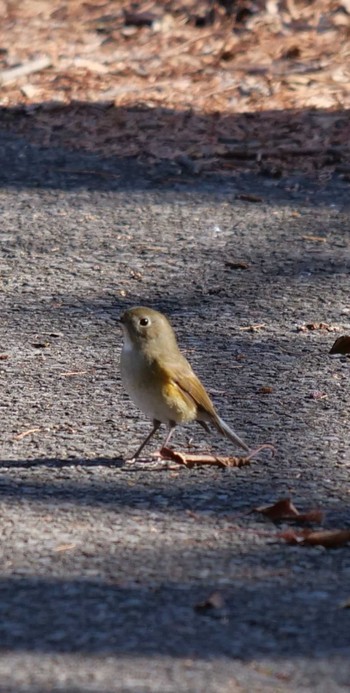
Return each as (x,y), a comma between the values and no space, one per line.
(329,538)
(315,515)
(191,460)
(265,390)
(285,509)
(4,357)
(281,510)
(341,345)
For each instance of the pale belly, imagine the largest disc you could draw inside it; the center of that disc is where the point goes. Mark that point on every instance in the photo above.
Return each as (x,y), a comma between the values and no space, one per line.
(151,396)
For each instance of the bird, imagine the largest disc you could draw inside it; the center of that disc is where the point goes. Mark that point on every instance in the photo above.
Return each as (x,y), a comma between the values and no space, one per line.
(159,379)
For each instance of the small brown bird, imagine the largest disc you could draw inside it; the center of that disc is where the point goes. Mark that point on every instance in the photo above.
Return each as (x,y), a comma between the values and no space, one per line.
(160,380)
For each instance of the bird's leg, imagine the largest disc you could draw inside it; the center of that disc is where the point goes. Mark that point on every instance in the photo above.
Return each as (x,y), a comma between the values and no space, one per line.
(172,425)
(156,425)
(204,425)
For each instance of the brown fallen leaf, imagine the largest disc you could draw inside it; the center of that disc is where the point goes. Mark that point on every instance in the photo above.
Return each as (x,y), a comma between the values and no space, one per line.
(265,390)
(329,538)
(40,345)
(191,460)
(314,515)
(4,357)
(341,345)
(285,509)
(281,510)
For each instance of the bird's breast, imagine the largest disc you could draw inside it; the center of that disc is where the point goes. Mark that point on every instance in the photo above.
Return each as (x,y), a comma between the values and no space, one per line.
(152,389)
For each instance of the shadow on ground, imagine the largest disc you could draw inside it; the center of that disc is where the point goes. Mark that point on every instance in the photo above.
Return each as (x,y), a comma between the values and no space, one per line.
(100,616)
(102,147)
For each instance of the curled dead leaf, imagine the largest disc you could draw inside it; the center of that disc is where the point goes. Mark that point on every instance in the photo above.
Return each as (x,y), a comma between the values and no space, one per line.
(281,510)
(285,509)
(329,538)
(191,460)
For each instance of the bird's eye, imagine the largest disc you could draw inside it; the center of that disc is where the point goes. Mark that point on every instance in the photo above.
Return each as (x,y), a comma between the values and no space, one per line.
(144,322)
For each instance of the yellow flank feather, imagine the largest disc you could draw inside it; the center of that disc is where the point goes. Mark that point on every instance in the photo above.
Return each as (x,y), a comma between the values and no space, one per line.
(183,407)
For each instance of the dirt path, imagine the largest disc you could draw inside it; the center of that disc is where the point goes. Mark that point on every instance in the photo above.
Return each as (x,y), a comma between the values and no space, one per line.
(103,564)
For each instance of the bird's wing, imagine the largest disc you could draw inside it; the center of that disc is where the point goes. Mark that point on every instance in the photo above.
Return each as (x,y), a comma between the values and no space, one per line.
(186,380)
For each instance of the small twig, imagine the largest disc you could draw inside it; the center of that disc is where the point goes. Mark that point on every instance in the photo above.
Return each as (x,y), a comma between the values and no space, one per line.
(14,73)
(19,436)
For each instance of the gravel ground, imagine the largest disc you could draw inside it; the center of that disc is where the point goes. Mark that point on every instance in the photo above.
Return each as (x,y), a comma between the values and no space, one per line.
(103,562)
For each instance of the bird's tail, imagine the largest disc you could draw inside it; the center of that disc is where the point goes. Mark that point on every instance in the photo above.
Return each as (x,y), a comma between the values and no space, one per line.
(226,431)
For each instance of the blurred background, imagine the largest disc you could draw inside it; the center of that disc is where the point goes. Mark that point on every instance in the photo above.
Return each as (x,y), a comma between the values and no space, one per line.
(224,85)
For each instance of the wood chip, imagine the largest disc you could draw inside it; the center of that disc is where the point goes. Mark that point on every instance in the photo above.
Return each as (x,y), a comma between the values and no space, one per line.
(285,509)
